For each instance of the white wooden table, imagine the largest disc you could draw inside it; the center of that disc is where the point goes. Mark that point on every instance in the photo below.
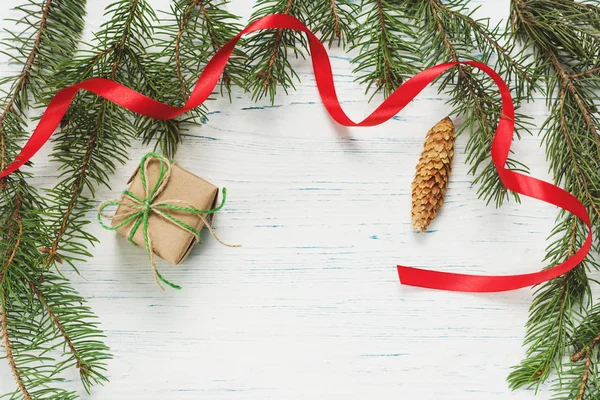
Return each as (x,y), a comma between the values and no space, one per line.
(311,306)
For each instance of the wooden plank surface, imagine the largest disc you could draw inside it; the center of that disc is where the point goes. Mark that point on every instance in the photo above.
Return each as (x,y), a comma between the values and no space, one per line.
(310,306)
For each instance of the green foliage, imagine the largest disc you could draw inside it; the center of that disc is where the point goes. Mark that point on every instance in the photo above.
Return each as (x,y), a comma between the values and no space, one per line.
(268,51)
(387,44)
(333,20)
(192,34)
(187,38)
(74,327)
(45,317)
(32,45)
(564,37)
(95,133)
(579,377)
(552,320)
(448,31)
(397,37)
(26,344)
(45,326)
(268,62)
(34,368)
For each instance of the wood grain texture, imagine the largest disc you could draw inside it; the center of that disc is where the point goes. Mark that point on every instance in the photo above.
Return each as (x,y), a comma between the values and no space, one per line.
(311,306)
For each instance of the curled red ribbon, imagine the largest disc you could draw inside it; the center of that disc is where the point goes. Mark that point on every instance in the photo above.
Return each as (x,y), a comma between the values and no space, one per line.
(525,185)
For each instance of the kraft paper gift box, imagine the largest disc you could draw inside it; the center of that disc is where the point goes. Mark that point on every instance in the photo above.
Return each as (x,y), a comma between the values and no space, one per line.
(169,241)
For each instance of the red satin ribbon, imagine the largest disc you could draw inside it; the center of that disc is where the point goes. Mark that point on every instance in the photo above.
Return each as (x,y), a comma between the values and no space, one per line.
(525,185)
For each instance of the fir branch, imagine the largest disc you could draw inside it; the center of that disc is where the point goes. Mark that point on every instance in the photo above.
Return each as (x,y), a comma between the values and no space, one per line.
(7,342)
(26,332)
(9,354)
(579,377)
(75,323)
(334,20)
(193,32)
(15,102)
(551,323)
(386,41)
(584,352)
(567,84)
(20,86)
(16,233)
(268,51)
(36,49)
(563,36)
(36,371)
(580,381)
(451,28)
(182,24)
(587,335)
(220,26)
(95,133)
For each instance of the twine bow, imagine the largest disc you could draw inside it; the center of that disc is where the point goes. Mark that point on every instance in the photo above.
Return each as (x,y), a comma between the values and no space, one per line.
(142,208)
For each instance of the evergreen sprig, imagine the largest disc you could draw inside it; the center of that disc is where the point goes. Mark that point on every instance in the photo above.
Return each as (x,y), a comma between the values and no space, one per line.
(194,32)
(564,36)
(387,44)
(333,20)
(93,138)
(95,133)
(190,35)
(448,32)
(33,46)
(45,326)
(579,377)
(268,51)
(64,312)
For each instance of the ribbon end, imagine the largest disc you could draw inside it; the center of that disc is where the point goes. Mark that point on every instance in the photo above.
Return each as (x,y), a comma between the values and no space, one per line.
(399,268)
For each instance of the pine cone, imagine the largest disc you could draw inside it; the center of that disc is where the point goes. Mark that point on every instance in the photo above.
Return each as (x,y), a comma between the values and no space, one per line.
(433,172)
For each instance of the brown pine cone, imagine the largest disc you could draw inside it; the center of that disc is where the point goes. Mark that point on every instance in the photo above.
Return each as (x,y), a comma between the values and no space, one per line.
(433,173)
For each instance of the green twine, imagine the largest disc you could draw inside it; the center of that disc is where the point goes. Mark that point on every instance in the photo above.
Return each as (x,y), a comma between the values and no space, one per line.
(143,207)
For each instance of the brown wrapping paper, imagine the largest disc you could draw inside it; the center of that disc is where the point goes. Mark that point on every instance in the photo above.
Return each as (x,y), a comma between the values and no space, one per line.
(169,241)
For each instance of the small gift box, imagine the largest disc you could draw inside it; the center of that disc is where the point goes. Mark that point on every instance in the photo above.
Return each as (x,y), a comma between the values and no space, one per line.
(164,210)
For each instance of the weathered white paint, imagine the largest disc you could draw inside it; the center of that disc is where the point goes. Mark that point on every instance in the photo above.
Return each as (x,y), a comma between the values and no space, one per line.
(311,306)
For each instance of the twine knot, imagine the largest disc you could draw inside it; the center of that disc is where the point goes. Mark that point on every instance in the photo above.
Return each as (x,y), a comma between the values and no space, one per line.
(142,208)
